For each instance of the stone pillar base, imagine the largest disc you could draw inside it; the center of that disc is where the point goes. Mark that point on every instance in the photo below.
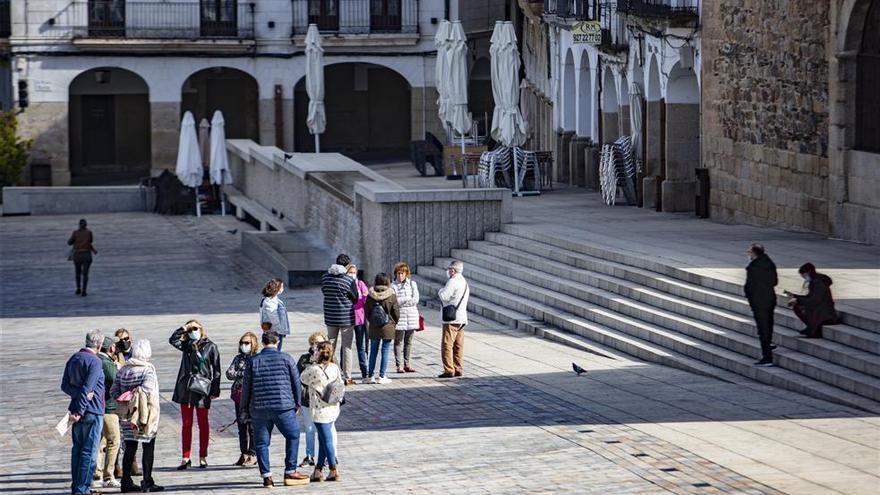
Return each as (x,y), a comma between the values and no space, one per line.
(563,158)
(591,168)
(576,161)
(678,195)
(649,189)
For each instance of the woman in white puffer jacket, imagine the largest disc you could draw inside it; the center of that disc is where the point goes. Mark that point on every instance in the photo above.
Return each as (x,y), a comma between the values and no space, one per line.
(408,296)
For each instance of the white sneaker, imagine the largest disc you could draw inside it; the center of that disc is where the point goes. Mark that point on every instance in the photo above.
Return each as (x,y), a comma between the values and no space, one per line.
(112,483)
(382,380)
(368,381)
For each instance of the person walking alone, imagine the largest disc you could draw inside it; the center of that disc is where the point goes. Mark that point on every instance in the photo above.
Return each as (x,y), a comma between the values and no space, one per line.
(198,383)
(340,294)
(83,381)
(761,278)
(108,449)
(383,313)
(318,377)
(140,414)
(83,247)
(407,292)
(247,348)
(270,398)
(273,313)
(454,300)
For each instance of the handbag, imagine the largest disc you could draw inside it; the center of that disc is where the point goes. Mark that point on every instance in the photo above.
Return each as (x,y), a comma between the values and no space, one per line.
(334,391)
(196,383)
(421,323)
(449,311)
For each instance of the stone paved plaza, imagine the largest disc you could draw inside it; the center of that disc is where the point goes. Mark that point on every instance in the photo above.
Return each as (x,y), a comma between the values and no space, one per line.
(519,422)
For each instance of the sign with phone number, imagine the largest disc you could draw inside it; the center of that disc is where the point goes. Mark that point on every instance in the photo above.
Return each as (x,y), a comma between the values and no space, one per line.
(587,32)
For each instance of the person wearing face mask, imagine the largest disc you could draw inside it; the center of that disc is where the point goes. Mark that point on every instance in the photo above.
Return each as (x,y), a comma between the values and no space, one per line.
(273,313)
(817,307)
(198,382)
(454,295)
(760,280)
(305,360)
(360,320)
(247,348)
(123,354)
(408,296)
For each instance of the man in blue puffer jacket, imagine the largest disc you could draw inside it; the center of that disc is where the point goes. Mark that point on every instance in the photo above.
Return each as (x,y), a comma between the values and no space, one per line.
(270,397)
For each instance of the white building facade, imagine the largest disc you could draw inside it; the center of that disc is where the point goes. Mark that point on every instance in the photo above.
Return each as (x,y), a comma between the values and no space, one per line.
(108,80)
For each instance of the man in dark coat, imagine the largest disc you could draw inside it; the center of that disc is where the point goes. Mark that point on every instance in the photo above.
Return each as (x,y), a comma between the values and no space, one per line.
(270,397)
(760,280)
(340,293)
(817,307)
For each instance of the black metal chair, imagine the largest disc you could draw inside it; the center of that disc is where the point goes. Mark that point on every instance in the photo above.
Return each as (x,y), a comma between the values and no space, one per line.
(429,150)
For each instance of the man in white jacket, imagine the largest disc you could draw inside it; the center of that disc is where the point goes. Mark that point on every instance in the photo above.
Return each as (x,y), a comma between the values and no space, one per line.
(455,293)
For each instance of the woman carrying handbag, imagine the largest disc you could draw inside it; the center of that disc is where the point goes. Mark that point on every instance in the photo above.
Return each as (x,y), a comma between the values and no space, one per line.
(198,382)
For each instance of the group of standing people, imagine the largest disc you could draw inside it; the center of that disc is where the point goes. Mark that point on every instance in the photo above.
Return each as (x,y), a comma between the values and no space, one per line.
(815,308)
(114,389)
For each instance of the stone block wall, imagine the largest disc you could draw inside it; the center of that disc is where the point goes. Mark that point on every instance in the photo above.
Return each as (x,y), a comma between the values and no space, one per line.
(765,111)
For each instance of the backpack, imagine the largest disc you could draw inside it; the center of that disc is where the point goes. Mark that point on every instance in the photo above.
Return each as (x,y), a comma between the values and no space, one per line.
(378,316)
(334,391)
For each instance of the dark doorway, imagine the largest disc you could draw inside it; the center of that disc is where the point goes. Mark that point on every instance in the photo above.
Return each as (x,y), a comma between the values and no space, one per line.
(324,13)
(219,18)
(233,92)
(868,83)
(109,128)
(106,18)
(98,124)
(368,113)
(384,15)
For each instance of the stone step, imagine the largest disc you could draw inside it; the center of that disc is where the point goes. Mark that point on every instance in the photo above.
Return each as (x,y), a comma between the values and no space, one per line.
(551,275)
(847,335)
(487,299)
(662,267)
(680,333)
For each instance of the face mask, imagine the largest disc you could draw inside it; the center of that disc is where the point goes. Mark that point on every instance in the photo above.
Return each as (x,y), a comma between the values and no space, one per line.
(123,345)
(314,352)
(245,348)
(353,275)
(806,278)
(194,335)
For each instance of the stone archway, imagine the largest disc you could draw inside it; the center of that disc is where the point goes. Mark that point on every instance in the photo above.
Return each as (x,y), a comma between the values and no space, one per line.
(569,97)
(610,107)
(108,127)
(232,91)
(682,139)
(480,100)
(368,112)
(585,98)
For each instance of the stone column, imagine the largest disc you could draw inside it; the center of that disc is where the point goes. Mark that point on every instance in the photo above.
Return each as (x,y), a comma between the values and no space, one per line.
(610,130)
(164,135)
(563,170)
(623,120)
(652,159)
(682,156)
(266,121)
(577,175)
(423,105)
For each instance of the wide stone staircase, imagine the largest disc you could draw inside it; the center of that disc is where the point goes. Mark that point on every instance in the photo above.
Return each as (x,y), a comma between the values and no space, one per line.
(599,300)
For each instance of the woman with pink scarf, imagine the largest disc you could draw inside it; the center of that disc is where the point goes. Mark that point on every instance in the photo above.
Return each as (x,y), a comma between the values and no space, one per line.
(360,320)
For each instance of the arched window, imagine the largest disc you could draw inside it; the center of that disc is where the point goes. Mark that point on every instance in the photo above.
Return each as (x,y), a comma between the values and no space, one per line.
(868,82)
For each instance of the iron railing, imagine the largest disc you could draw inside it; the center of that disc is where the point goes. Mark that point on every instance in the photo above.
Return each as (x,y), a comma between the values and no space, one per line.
(356,16)
(659,8)
(5,20)
(167,19)
(614,35)
(584,10)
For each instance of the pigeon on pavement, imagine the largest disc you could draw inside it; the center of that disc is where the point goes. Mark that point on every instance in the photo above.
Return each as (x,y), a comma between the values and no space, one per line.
(577,369)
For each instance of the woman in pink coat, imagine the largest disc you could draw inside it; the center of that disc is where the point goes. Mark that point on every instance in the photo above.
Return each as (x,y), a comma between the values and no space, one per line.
(360,320)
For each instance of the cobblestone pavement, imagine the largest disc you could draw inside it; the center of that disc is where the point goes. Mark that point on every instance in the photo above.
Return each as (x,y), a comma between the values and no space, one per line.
(520,422)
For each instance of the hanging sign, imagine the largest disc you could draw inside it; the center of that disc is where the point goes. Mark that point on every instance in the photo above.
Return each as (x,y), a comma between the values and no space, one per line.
(587,32)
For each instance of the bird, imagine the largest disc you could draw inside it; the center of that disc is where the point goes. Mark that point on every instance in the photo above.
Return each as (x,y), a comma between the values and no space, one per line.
(577,369)
(233,231)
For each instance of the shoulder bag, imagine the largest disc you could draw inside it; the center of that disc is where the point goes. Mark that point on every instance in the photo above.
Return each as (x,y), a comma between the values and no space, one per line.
(196,383)
(334,391)
(449,311)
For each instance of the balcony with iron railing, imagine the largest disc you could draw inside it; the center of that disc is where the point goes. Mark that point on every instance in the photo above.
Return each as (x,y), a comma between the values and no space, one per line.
(209,24)
(388,19)
(614,31)
(682,11)
(581,10)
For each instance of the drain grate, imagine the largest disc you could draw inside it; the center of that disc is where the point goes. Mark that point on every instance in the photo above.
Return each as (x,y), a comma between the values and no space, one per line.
(586,431)
(612,441)
(640,454)
(668,470)
(702,485)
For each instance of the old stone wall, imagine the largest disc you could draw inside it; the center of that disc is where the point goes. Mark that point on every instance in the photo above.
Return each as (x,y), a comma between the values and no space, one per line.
(765,111)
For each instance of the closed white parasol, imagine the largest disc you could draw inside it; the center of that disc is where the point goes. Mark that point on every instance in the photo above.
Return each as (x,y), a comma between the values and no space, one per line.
(220,173)
(508,127)
(189,159)
(317,118)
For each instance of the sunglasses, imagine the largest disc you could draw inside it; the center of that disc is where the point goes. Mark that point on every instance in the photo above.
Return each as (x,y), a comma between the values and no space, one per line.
(243,342)
(125,339)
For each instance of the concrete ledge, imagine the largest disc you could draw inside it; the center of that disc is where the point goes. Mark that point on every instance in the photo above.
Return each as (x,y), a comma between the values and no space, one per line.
(73,199)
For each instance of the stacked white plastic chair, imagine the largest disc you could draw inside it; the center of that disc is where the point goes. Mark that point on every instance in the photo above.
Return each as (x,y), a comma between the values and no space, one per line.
(617,171)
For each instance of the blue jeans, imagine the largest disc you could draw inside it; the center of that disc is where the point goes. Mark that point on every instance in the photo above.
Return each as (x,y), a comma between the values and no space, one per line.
(326,446)
(309,431)
(280,341)
(288,425)
(86,435)
(374,349)
(360,340)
